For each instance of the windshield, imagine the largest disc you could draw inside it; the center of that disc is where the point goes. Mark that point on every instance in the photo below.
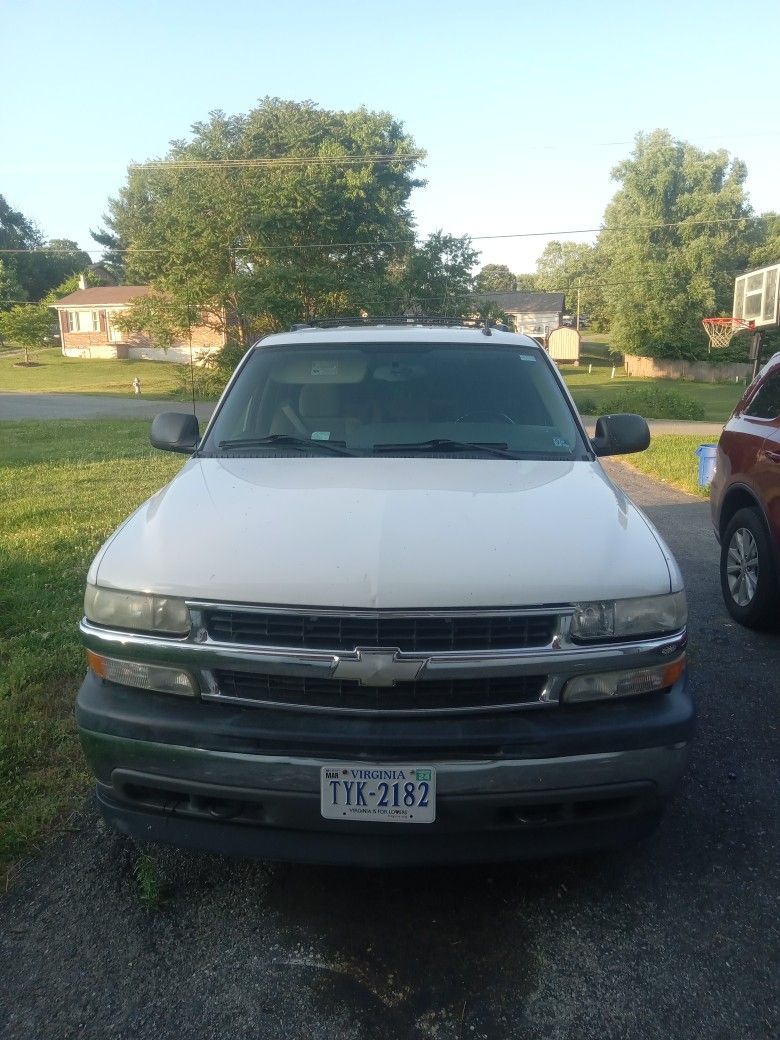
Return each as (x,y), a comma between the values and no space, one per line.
(384,398)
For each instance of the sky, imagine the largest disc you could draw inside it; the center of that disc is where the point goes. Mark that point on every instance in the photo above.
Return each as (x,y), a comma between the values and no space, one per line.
(523,108)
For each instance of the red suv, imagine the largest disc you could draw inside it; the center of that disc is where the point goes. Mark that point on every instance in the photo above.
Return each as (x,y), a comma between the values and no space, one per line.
(745,503)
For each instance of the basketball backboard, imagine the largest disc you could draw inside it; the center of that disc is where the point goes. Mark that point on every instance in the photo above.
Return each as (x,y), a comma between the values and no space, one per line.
(756,296)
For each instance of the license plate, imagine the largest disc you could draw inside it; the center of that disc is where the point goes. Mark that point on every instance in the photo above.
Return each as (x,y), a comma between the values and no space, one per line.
(381,794)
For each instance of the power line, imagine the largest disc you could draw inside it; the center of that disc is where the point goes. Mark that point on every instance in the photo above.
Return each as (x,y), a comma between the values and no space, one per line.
(299,160)
(384,243)
(567,145)
(473,294)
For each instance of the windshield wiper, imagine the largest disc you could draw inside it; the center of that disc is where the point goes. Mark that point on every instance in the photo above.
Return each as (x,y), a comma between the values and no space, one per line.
(285,440)
(444,444)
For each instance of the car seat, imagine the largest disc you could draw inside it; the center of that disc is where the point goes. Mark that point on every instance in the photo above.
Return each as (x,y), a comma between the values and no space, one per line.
(319,410)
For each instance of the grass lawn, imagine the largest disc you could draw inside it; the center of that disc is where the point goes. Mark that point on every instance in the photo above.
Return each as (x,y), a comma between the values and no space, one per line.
(671,458)
(58,374)
(716,399)
(64,487)
(594,349)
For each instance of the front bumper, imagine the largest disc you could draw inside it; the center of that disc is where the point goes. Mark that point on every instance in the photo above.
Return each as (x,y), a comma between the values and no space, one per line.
(245,781)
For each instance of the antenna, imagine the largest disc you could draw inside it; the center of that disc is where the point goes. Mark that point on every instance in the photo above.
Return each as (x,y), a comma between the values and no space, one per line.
(189,340)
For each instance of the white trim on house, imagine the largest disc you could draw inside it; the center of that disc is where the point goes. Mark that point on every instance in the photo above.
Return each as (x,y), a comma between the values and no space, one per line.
(74,315)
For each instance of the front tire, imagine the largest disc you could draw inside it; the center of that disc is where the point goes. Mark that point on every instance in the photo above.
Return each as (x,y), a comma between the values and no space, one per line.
(748,578)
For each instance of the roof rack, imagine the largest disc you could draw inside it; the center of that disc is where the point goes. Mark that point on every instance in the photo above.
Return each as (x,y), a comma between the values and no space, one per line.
(433,320)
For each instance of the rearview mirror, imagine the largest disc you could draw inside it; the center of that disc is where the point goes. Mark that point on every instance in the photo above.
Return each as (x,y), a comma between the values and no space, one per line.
(620,434)
(175,431)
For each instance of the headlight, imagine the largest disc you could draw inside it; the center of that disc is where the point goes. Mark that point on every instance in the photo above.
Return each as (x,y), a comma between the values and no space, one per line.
(629,618)
(140,611)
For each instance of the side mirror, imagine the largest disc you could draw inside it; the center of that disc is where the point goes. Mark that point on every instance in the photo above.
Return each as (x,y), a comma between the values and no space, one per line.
(620,434)
(175,431)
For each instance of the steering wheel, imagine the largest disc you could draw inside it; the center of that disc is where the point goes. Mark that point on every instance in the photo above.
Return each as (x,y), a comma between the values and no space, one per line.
(486,417)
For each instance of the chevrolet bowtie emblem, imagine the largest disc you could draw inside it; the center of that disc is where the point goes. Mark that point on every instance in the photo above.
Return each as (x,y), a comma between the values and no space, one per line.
(378,668)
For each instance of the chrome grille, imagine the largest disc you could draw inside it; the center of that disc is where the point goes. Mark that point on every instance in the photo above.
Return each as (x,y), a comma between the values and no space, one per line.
(348,695)
(408,633)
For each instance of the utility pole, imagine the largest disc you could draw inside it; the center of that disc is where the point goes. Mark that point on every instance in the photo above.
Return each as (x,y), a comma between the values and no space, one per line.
(578,309)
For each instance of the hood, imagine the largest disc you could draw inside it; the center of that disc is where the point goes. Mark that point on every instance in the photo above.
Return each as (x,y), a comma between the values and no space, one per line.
(387,533)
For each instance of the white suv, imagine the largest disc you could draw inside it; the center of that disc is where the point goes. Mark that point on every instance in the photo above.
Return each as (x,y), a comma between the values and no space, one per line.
(392,610)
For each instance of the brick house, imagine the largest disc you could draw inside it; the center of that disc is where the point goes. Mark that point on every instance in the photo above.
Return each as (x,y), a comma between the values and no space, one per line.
(88,331)
(534,313)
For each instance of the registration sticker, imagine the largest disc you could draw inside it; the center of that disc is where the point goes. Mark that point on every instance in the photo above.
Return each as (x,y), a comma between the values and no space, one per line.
(378,793)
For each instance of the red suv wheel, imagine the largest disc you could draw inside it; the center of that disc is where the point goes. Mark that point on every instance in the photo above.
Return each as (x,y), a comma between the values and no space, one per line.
(747,572)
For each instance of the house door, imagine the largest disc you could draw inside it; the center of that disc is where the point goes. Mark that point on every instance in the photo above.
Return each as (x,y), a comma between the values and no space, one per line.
(114,334)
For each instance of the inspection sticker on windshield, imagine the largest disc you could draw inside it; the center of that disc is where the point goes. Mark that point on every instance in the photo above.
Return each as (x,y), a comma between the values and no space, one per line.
(378,793)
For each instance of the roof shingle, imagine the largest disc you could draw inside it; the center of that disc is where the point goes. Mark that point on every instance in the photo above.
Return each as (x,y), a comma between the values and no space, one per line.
(524,301)
(103,296)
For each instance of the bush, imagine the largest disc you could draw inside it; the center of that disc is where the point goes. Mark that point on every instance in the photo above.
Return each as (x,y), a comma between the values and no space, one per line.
(653,403)
(586,405)
(737,350)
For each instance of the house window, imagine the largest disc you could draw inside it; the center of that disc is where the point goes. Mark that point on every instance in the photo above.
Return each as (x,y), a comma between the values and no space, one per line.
(83,321)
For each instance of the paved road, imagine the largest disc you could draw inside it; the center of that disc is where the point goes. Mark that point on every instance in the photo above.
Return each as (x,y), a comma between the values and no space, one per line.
(675,938)
(95,406)
(91,406)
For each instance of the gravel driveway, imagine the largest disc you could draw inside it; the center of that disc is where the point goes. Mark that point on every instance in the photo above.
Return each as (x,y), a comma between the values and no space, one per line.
(675,938)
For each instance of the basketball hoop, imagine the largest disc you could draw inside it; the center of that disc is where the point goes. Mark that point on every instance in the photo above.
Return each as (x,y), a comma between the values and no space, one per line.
(721,331)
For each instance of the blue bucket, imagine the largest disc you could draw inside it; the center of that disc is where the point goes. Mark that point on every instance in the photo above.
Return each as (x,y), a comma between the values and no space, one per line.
(706,453)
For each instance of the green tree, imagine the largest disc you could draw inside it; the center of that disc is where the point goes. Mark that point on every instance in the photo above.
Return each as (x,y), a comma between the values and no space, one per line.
(492,313)
(495,278)
(766,241)
(62,260)
(525,282)
(764,251)
(11,290)
(262,246)
(26,325)
(570,267)
(39,265)
(662,280)
(113,249)
(69,285)
(437,277)
(16,231)
(164,319)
